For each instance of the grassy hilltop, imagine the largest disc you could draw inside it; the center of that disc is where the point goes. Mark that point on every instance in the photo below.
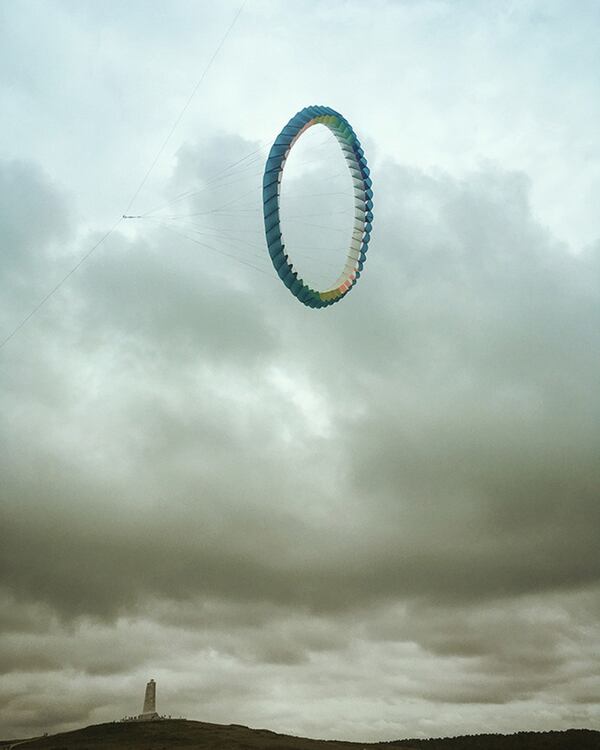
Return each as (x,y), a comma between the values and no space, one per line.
(178,734)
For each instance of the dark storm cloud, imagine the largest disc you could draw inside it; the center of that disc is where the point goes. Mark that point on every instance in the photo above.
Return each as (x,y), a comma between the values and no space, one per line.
(467,462)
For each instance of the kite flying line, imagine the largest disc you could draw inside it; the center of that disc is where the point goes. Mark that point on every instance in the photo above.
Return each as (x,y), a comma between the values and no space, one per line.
(82,260)
(185,108)
(43,301)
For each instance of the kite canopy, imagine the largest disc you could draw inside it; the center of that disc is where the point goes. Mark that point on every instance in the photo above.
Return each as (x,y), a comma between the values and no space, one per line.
(363,204)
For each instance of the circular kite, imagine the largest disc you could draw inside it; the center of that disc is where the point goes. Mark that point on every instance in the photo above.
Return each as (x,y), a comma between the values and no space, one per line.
(363,204)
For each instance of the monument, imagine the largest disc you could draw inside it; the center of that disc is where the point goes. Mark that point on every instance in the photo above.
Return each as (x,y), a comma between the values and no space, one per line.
(149,710)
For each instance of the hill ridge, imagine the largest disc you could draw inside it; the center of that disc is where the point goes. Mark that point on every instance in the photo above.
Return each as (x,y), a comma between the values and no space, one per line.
(185,734)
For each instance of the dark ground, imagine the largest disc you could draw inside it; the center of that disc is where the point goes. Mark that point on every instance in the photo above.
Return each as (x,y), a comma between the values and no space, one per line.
(179,734)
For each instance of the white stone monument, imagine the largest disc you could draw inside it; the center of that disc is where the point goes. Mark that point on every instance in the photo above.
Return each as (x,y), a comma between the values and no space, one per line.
(149,711)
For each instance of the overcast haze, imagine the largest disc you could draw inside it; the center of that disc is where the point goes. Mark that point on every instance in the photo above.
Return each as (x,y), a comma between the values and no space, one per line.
(373,521)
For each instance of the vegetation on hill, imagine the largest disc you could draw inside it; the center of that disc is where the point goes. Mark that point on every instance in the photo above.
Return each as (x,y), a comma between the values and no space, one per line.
(571,739)
(196,735)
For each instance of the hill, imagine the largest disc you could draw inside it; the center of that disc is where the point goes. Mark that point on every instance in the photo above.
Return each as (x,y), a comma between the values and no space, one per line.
(180,734)
(570,739)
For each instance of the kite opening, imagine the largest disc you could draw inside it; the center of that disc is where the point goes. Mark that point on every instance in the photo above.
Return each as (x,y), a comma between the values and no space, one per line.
(317,207)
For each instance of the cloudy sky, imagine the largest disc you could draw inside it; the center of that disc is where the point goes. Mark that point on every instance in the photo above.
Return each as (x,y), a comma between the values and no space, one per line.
(374,521)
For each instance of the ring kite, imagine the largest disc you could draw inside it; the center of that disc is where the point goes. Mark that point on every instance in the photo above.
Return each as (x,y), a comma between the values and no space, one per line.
(363,204)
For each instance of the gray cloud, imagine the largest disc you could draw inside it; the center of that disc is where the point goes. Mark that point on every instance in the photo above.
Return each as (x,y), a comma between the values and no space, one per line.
(496,465)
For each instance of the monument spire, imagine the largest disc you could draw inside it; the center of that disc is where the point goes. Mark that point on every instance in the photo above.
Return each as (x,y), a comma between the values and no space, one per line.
(149,711)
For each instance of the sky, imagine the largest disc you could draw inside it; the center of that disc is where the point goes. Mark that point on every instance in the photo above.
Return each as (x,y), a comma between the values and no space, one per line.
(369,522)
